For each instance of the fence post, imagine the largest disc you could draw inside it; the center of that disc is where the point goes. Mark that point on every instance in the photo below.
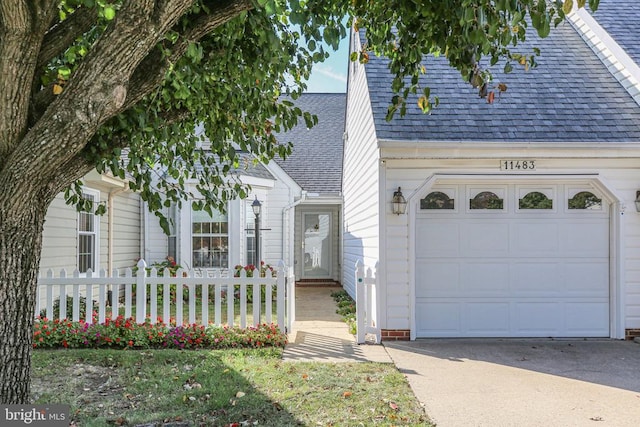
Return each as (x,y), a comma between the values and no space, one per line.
(360,302)
(281,289)
(141,292)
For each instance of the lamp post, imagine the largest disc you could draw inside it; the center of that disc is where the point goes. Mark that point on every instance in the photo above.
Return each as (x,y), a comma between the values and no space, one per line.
(257,207)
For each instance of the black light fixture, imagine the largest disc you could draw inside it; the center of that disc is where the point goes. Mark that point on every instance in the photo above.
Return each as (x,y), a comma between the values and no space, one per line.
(399,204)
(256,206)
(638,201)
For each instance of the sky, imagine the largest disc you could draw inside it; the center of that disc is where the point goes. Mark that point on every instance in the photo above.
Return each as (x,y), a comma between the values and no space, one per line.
(330,76)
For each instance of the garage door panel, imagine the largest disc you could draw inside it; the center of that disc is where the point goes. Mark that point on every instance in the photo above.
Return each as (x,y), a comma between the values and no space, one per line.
(438,279)
(484,238)
(486,318)
(588,318)
(535,278)
(537,318)
(590,278)
(534,238)
(484,278)
(446,235)
(585,238)
(443,318)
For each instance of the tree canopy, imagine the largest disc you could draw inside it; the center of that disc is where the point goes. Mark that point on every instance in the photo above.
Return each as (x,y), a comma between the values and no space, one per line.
(133,87)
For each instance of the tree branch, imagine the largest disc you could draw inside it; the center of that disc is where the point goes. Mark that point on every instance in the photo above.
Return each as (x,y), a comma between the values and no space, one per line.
(151,71)
(22,26)
(62,34)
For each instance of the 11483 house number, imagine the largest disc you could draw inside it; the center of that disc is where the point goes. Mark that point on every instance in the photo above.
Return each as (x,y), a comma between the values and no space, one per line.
(517,165)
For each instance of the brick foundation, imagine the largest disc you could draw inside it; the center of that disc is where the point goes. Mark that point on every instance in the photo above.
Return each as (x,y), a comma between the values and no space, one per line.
(630,334)
(395,334)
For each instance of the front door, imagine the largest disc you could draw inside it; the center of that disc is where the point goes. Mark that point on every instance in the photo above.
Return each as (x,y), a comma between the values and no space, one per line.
(316,245)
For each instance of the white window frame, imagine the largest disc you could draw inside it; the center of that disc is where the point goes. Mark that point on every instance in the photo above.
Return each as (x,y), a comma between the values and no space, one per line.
(95,194)
(249,233)
(208,253)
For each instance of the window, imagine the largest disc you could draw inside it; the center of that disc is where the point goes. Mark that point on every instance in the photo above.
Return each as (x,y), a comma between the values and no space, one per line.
(88,226)
(535,200)
(172,216)
(585,200)
(210,236)
(486,200)
(250,233)
(437,200)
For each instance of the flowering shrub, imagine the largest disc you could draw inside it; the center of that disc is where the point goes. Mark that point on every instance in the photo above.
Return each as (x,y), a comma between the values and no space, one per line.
(250,269)
(125,333)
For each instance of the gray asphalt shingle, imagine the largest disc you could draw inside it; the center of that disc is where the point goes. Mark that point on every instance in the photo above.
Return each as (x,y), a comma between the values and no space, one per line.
(620,19)
(316,159)
(569,97)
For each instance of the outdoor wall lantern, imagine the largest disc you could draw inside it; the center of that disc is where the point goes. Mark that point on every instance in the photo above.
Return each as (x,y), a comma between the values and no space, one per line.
(638,201)
(399,204)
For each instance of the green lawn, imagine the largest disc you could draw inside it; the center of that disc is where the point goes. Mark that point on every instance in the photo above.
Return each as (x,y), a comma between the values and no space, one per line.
(218,388)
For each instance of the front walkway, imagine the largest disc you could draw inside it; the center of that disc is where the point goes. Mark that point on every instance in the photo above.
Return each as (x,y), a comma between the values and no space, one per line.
(320,335)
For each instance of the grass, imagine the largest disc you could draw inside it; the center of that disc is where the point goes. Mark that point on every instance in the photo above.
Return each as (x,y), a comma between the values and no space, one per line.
(220,388)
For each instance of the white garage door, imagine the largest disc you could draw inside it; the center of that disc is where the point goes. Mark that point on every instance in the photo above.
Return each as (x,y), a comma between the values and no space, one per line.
(512,261)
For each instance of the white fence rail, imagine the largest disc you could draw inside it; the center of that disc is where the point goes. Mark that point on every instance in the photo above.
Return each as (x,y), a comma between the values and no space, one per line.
(195,296)
(366,303)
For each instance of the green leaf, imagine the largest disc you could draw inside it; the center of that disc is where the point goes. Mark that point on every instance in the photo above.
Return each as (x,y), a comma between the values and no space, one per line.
(567,6)
(109,13)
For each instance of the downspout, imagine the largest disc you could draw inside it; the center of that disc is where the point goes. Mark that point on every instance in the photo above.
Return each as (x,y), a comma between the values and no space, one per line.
(110,219)
(286,230)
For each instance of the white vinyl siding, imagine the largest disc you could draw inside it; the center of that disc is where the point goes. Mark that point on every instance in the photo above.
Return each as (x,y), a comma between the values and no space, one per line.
(361,177)
(127,229)
(60,243)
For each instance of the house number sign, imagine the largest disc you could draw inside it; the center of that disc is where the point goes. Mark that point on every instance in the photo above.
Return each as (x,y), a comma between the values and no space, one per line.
(517,165)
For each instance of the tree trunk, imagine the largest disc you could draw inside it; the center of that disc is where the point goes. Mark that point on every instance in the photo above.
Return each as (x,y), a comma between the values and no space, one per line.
(20,247)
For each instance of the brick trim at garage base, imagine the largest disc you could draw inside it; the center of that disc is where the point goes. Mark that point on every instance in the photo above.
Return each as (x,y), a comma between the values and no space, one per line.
(630,334)
(395,334)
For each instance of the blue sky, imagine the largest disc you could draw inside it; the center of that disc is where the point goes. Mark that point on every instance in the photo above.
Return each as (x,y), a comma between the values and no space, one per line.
(331,75)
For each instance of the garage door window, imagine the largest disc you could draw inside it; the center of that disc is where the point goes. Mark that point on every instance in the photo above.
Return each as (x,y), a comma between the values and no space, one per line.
(486,200)
(585,200)
(437,200)
(535,200)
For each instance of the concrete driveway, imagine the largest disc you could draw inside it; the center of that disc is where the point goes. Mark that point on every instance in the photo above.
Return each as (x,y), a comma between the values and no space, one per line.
(493,382)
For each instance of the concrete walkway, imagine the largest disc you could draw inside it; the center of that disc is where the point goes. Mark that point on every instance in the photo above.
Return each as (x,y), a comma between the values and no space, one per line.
(320,335)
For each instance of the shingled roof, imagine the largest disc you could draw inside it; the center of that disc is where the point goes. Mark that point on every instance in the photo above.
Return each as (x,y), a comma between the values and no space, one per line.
(569,97)
(316,159)
(618,18)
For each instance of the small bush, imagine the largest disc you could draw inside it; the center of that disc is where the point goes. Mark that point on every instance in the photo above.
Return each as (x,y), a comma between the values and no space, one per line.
(69,311)
(346,309)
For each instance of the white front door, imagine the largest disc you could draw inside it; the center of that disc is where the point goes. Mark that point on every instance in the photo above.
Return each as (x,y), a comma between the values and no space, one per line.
(511,260)
(316,245)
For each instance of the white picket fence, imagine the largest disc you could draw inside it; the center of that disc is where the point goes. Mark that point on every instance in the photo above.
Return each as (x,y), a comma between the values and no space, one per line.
(114,295)
(366,303)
